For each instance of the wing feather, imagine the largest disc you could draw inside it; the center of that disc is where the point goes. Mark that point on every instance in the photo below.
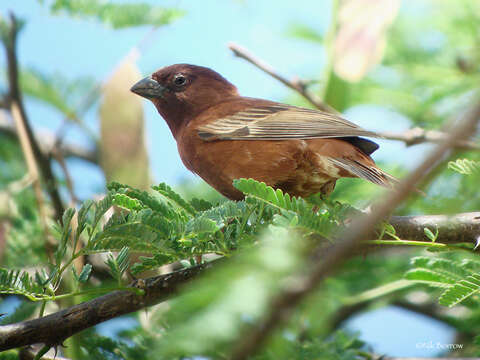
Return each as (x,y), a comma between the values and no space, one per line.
(370,173)
(280,122)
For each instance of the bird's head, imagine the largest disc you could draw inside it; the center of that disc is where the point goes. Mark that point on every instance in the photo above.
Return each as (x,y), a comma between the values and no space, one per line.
(182,91)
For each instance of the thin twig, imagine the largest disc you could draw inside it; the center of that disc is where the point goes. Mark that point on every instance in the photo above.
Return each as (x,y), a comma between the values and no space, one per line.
(347,244)
(296,84)
(410,137)
(59,157)
(46,141)
(33,173)
(3,237)
(79,262)
(418,135)
(15,95)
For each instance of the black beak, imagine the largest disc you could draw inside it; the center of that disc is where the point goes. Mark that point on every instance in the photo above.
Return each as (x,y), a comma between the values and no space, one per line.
(148,88)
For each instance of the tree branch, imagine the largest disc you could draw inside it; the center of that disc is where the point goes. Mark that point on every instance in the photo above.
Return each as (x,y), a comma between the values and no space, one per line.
(458,228)
(15,95)
(410,137)
(47,141)
(54,328)
(297,85)
(418,135)
(347,245)
(32,168)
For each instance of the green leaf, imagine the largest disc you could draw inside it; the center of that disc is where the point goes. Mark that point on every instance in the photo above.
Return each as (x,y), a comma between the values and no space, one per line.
(85,273)
(430,235)
(305,33)
(100,208)
(460,291)
(146,200)
(118,15)
(126,202)
(15,282)
(167,192)
(201,225)
(464,166)
(151,262)
(117,265)
(429,277)
(82,216)
(200,204)
(65,235)
(320,222)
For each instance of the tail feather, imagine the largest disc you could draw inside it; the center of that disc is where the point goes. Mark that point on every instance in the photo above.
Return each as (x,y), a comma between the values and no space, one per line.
(370,173)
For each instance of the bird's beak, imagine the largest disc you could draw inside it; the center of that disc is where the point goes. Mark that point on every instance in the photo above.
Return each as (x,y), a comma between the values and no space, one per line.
(148,88)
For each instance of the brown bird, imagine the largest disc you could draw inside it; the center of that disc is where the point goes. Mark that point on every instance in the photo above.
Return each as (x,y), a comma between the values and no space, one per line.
(222,136)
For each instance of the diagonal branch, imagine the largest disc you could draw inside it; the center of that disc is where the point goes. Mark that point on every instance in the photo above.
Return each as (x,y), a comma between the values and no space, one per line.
(410,137)
(297,85)
(32,168)
(335,255)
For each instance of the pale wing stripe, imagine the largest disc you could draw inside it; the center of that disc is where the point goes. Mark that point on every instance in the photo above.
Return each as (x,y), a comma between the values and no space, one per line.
(280,122)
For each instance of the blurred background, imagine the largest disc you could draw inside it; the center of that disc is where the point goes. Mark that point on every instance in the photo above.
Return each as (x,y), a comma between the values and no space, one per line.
(387,65)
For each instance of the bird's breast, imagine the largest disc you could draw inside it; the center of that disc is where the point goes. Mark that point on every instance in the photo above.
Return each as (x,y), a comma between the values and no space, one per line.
(288,165)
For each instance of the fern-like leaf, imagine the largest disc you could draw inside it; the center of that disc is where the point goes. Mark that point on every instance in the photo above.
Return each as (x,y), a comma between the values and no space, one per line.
(460,291)
(319,222)
(15,282)
(464,166)
(171,195)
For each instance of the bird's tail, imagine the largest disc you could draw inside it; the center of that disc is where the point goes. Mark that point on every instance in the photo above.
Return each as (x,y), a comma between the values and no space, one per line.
(367,172)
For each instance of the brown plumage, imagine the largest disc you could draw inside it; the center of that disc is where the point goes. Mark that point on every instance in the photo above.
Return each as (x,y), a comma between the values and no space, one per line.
(222,136)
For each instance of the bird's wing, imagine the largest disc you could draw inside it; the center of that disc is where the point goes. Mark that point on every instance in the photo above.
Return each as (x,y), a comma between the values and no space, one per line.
(280,122)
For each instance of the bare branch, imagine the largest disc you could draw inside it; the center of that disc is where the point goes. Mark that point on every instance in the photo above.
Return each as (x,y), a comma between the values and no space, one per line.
(47,141)
(458,228)
(418,135)
(348,244)
(410,137)
(296,84)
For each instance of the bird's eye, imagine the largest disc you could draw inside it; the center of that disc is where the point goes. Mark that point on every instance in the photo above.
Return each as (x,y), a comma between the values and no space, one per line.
(179,80)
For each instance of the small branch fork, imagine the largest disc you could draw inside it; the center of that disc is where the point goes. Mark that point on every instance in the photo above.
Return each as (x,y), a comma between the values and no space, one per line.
(410,137)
